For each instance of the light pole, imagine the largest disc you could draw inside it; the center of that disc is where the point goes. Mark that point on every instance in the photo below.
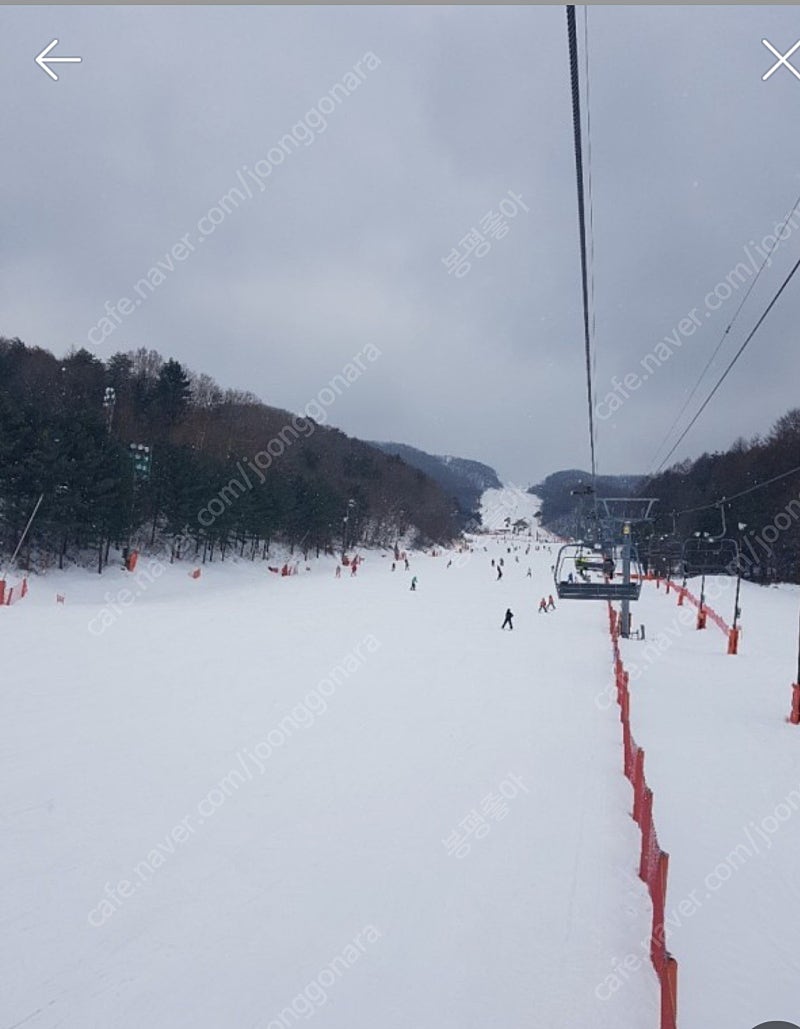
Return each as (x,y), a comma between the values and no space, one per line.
(141,456)
(348,510)
(109,401)
(794,717)
(736,611)
(24,534)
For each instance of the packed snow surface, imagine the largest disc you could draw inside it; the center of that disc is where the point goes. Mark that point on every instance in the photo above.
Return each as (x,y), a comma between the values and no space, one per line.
(724,767)
(246,800)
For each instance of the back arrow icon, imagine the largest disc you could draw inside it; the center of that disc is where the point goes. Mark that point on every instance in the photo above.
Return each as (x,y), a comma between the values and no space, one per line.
(43,60)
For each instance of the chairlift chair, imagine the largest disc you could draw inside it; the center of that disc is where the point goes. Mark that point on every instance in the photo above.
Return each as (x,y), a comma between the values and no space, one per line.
(594,583)
(703,556)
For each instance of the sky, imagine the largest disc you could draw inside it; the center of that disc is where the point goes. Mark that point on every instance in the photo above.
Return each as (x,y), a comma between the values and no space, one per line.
(299,222)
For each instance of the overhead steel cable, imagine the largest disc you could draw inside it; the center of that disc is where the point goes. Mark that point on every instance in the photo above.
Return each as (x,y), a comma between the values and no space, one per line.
(725,333)
(729,368)
(577,125)
(589,201)
(736,496)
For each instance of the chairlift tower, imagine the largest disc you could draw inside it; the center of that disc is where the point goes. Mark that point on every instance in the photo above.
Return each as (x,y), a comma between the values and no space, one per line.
(628,511)
(625,613)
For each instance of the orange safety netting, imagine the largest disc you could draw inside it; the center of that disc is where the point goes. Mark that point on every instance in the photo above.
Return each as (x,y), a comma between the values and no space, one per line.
(653,861)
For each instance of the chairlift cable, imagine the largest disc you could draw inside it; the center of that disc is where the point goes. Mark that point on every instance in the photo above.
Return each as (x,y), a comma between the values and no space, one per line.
(742,493)
(729,368)
(726,332)
(579,172)
(590,203)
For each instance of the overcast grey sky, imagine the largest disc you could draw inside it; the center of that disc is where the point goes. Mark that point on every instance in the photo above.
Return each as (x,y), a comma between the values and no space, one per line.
(693,156)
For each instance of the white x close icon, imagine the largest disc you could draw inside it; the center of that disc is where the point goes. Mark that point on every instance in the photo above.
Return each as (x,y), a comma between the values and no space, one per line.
(782,59)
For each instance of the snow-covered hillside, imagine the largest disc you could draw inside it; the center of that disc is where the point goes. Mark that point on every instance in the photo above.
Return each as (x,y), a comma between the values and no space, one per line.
(510,502)
(245,800)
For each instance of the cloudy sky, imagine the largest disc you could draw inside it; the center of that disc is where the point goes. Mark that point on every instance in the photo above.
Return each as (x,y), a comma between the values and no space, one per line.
(341,244)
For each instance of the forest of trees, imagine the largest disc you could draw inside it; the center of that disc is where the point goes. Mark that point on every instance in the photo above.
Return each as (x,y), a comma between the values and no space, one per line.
(464,480)
(562,505)
(764,522)
(67,428)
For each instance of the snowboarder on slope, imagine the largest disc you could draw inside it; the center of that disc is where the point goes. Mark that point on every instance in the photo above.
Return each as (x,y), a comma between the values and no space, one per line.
(507,621)
(499,573)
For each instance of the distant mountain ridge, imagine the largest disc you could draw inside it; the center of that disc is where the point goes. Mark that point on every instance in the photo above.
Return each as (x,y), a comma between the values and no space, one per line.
(461,478)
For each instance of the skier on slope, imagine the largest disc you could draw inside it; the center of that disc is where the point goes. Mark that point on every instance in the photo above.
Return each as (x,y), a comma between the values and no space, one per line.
(507,621)
(499,573)
(414,584)
(542,606)
(551,604)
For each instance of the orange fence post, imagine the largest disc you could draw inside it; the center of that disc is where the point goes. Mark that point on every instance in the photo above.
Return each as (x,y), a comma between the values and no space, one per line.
(646,825)
(701,618)
(794,717)
(638,785)
(681,592)
(669,994)
(658,894)
(733,641)
(2,591)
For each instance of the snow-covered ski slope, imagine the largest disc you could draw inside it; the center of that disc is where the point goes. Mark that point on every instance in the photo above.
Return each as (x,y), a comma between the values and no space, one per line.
(236,801)
(724,766)
(511,502)
(154,875)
